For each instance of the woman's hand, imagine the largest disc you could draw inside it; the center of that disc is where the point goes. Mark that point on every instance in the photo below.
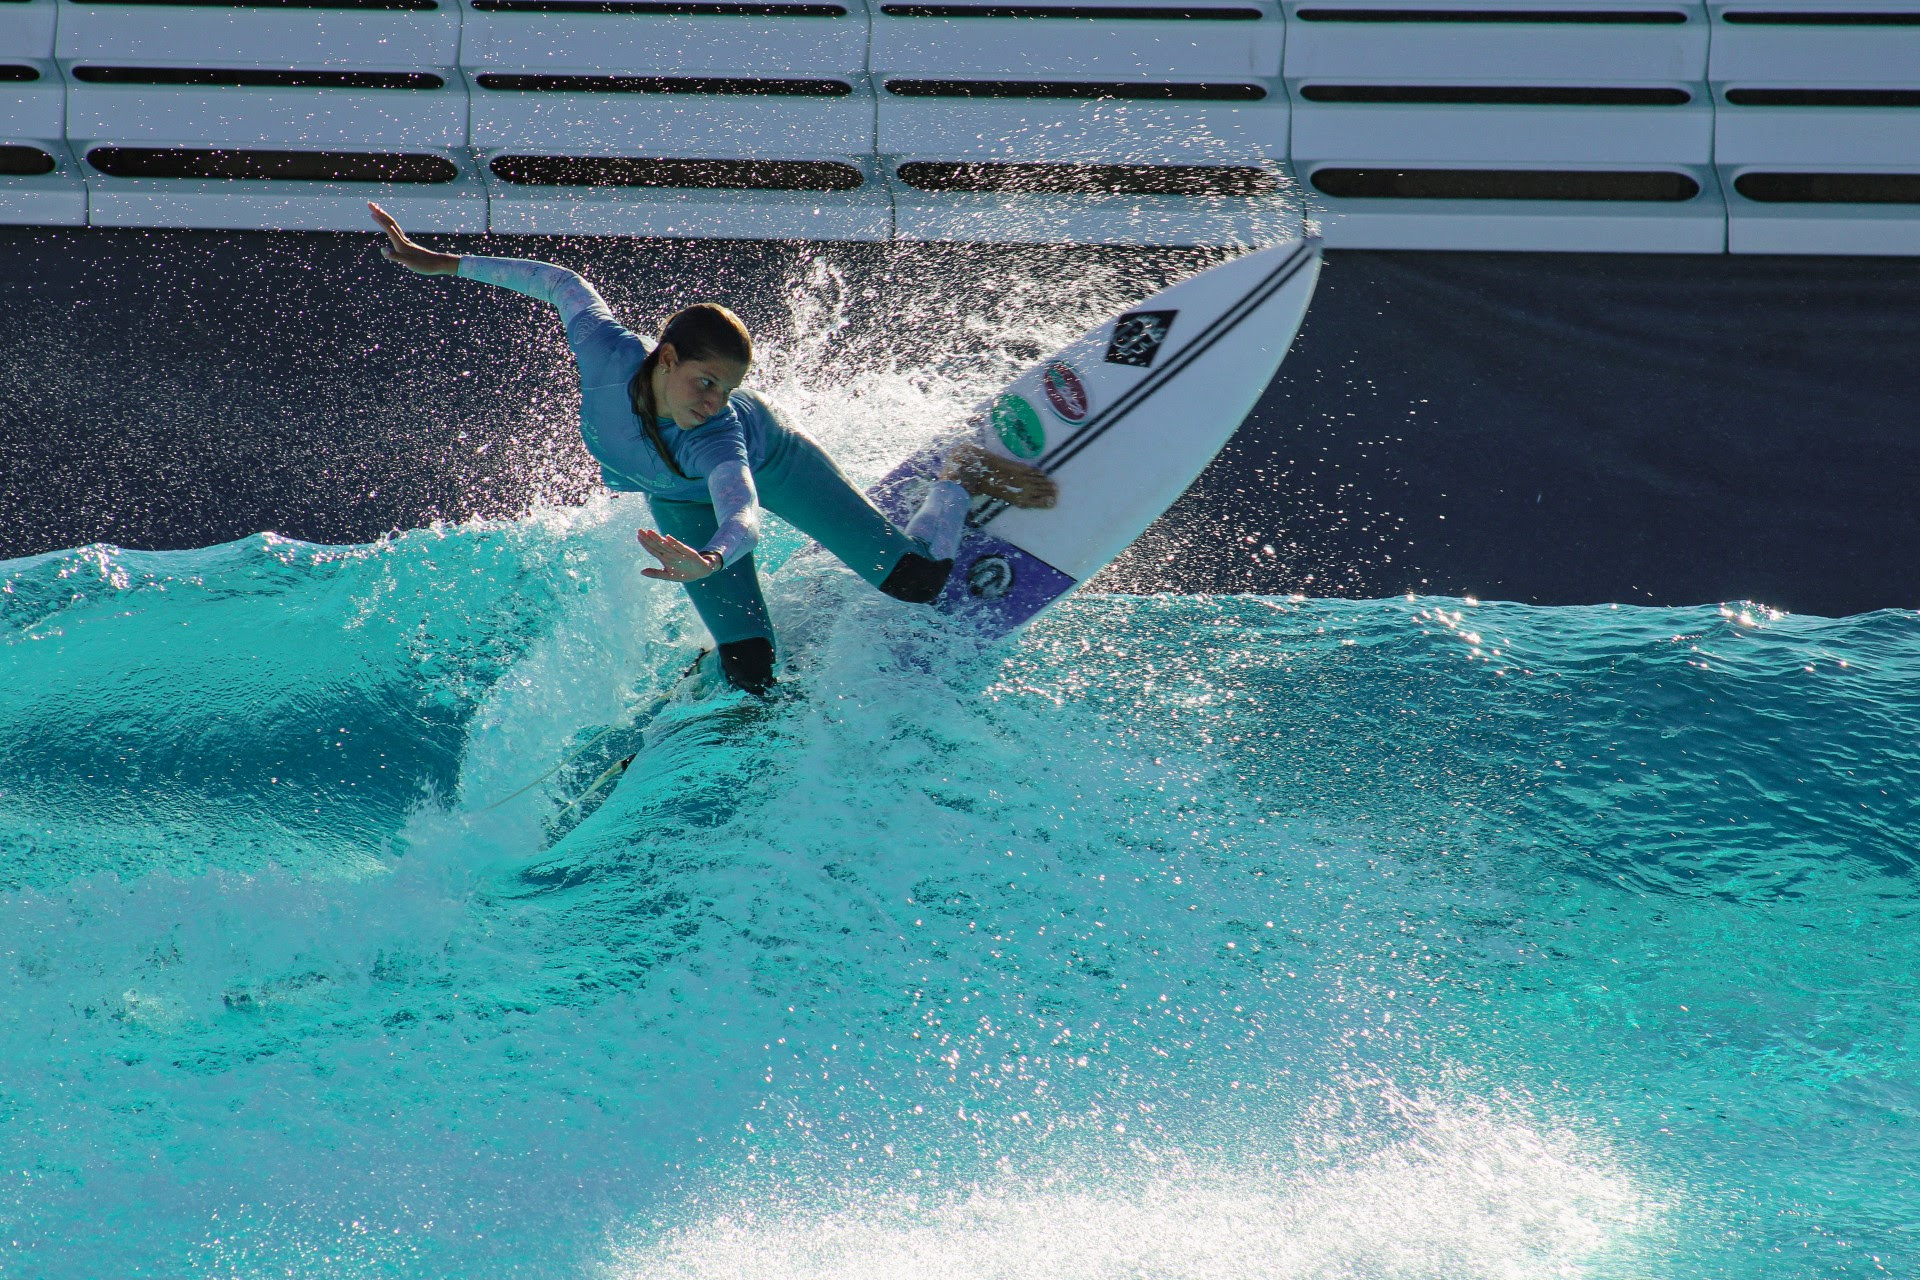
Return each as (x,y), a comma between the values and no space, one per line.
(408,254)
(678,561)
(1004,479)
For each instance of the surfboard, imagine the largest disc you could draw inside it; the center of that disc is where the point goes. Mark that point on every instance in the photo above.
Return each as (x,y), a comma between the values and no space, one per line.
(1125,417)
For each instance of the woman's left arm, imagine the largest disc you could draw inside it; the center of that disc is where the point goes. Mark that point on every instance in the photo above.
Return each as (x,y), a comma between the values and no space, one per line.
(736,510)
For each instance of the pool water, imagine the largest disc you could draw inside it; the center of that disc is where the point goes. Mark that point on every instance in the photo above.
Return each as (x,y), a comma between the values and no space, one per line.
(1177,937)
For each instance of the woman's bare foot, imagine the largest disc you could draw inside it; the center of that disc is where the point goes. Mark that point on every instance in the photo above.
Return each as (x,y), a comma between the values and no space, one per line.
(1003,479)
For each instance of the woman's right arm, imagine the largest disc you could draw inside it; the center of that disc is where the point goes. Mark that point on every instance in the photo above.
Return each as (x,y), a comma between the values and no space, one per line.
(592,331)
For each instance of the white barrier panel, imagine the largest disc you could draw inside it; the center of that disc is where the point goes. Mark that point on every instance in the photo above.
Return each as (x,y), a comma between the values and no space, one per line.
(1133,121)
(1116,83)
(1818,124)
(239,115)
(1558,42)
(401,35)
(1506,124)
(668,37)
(39,183)
(26,28)
(1557,211)
(688,197)
(1038,203)
(654,117)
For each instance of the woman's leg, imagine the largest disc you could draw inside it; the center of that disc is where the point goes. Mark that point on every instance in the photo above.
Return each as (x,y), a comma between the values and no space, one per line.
(728,602)
(800,484)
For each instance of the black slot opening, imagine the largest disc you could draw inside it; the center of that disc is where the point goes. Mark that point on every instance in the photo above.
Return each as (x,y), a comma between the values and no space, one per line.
(632,171)
(1090,179)
(258,77)
(1815,18)
(412,6)
(517,82)
(291,166)
(1134,90)
(1830,188)
(1498,95)
(13,74)
(1579,17)
(17,161)
(1111,12)
(666,8)
(1824,97)
(1503,184)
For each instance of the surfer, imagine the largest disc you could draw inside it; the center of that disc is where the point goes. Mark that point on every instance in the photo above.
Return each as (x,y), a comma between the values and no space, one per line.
(669,419)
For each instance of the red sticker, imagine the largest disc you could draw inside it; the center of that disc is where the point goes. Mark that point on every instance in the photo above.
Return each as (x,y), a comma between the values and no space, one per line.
(1065,392)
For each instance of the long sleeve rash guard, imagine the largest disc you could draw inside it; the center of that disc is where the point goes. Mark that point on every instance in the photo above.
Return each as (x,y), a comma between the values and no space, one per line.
(717,456)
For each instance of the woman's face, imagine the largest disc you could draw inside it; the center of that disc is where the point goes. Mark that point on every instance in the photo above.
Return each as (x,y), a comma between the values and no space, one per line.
(691,391)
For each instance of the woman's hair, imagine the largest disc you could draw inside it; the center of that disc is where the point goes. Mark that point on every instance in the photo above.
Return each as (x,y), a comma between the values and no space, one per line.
(703,331)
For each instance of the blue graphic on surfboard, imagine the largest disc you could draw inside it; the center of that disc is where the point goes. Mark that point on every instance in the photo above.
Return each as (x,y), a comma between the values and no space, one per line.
(1126,417)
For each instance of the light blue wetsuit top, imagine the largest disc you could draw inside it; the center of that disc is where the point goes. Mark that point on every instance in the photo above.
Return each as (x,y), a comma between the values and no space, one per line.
(717,456)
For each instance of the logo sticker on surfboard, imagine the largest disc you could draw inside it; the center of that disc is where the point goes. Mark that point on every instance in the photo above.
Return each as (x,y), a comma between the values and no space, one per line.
(1018,426)
(1065,391)
(1137,337)
(990,577)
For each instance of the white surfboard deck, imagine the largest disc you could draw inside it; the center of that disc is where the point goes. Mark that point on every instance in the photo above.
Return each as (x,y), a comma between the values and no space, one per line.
(1125,418)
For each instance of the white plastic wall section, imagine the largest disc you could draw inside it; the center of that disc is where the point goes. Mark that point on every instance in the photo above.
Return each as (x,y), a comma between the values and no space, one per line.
(138,110)
(1407,114)
(970,86)
(1814,99)
(1463,124)
(779,82)
(39,182)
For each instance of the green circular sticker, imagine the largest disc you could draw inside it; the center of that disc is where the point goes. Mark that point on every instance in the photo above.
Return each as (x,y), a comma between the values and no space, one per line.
(1019,427)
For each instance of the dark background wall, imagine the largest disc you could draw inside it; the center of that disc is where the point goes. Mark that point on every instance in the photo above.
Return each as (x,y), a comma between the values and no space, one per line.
(1547,428)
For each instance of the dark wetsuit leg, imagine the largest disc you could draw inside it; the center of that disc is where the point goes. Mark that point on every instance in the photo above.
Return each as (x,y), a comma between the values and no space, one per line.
(800,484)
(729,601)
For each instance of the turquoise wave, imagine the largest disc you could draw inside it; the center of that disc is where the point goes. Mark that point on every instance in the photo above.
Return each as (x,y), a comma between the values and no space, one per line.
(1179,936)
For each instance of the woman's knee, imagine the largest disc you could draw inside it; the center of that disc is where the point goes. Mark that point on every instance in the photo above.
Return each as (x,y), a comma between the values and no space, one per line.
(917,579)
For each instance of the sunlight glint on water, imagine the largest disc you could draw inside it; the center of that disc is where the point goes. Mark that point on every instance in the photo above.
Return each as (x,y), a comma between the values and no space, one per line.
(1177,937)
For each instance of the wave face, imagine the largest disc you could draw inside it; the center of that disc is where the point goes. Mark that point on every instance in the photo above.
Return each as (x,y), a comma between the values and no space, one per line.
(1177,937)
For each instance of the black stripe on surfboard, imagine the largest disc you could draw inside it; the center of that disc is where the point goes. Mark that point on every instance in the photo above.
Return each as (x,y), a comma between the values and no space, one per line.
(1224,323)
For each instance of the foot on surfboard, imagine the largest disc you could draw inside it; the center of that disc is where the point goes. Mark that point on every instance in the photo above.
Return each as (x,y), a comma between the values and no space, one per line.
(1003,479)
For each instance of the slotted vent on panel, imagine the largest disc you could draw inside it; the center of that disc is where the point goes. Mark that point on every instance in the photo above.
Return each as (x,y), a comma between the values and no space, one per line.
(547,82)
(1099,12)
(18,161)
(667,8)
(1505,184)
(258,77)
(1819,18)
(1089,179)
(1126,90)
(1574,17)
(413,6)
(1830,188)
(1498,95)
(14,74)
(265,165)
(1824,97)
(631,171)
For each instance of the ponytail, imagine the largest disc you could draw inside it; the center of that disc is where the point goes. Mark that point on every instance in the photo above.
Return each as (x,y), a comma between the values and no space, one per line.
(699,332)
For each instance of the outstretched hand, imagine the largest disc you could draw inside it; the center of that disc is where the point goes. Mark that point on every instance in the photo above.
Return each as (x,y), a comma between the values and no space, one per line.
(678,561)
(412,256)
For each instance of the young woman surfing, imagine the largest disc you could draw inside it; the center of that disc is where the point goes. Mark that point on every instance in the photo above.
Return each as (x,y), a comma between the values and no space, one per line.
(670,420)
